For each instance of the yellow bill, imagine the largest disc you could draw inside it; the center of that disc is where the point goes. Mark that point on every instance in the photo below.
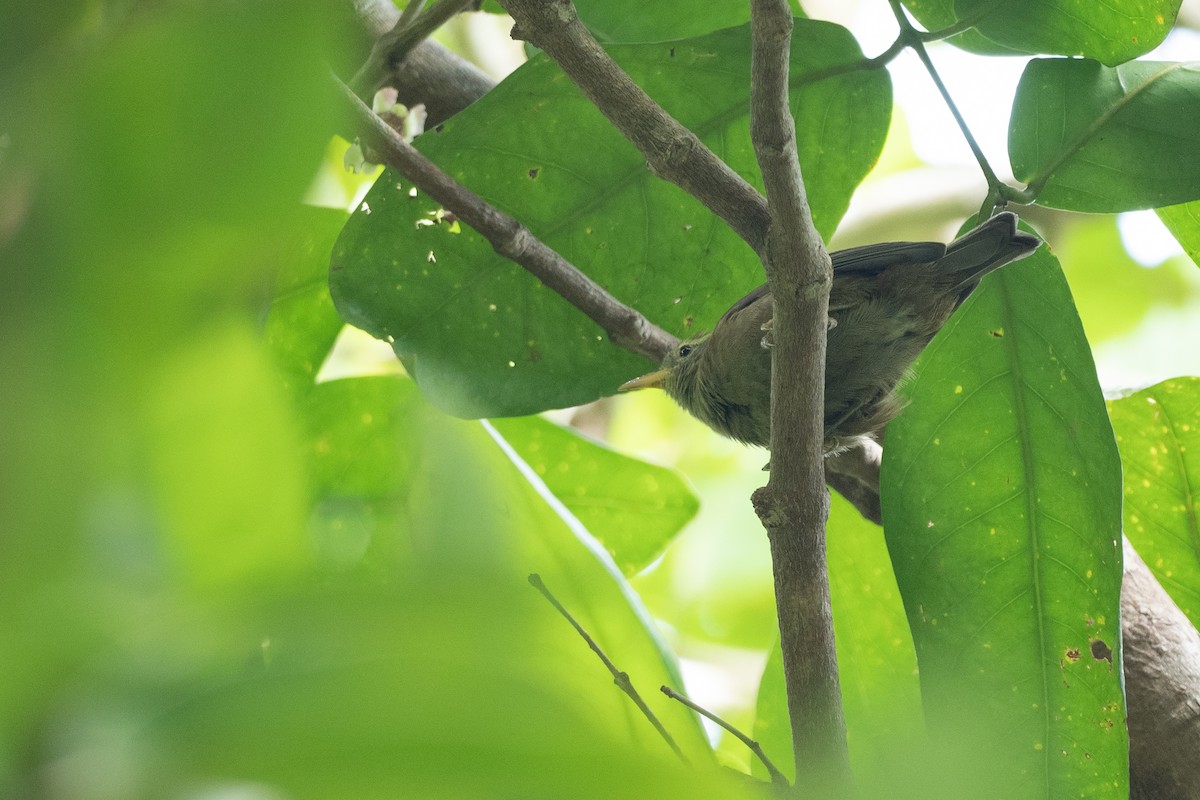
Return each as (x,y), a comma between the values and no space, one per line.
(652,380)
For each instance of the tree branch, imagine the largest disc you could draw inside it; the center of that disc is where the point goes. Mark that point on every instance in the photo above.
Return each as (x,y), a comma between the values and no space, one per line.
(794,504)
(393,47)
(672,152)
(624,326)
(1162,687)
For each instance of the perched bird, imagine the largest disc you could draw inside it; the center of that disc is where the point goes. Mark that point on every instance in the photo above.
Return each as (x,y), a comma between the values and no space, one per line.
(887,302)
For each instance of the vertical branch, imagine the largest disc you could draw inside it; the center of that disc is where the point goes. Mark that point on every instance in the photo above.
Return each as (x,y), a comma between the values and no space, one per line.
(794,504)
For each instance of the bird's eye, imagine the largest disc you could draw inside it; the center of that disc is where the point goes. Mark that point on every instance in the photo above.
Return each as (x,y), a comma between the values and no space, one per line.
(684,350)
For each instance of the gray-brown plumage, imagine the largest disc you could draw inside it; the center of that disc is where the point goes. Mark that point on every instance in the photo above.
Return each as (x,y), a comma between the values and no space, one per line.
(887,302)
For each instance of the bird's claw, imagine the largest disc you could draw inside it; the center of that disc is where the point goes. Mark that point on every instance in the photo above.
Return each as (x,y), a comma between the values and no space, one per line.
(768,328)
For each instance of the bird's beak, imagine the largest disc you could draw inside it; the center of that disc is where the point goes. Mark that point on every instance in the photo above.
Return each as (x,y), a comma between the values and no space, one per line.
(652,380)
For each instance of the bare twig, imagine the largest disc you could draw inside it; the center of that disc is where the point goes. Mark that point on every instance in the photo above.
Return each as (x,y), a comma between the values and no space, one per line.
(624,326)
(794,505)
(672,151)
(777,777)
(392,48)
(620,678)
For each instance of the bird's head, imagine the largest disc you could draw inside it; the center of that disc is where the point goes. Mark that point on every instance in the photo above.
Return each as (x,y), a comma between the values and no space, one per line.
(680,376)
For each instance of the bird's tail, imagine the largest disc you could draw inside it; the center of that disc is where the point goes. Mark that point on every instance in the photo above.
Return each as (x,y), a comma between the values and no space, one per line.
(987,247)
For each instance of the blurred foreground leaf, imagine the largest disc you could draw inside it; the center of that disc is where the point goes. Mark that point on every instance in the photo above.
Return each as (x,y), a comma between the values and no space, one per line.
(632,507)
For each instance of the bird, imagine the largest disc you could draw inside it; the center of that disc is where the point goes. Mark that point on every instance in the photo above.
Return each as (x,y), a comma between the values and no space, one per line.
(886,303)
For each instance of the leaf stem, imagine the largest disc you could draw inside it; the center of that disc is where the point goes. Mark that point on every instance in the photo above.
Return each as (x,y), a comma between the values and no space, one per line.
(915,40)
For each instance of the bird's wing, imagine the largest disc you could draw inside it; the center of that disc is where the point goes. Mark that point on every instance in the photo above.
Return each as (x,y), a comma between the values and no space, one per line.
(745,302)
(872,259)
(868,260)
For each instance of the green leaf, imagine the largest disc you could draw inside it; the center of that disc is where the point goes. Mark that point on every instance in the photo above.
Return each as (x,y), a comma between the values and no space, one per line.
(434,688)
(1158,432)
(1184,223)
(1002,511)
(303,324)
(1092,138)
(667,20)
(482,337)
(399,486)
(230,494)
(938,14)
(634,508)
(1111,32)
(876,662)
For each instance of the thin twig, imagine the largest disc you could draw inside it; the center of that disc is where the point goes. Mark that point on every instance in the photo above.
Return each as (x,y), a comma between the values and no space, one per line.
(777,777)
(624,326)
(620,678)
(794,505)
(903,42)
(917,43)
(393,47)
(410,13)
(672,152)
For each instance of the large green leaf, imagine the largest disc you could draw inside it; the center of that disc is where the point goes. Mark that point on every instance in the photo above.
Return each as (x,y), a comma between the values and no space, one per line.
(938,14)
(1092,138)
(483,338)
(1110,32)
(1002,509)
(1158,432)
(666,20)
(876,662)
(1184,223)
(632,507)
